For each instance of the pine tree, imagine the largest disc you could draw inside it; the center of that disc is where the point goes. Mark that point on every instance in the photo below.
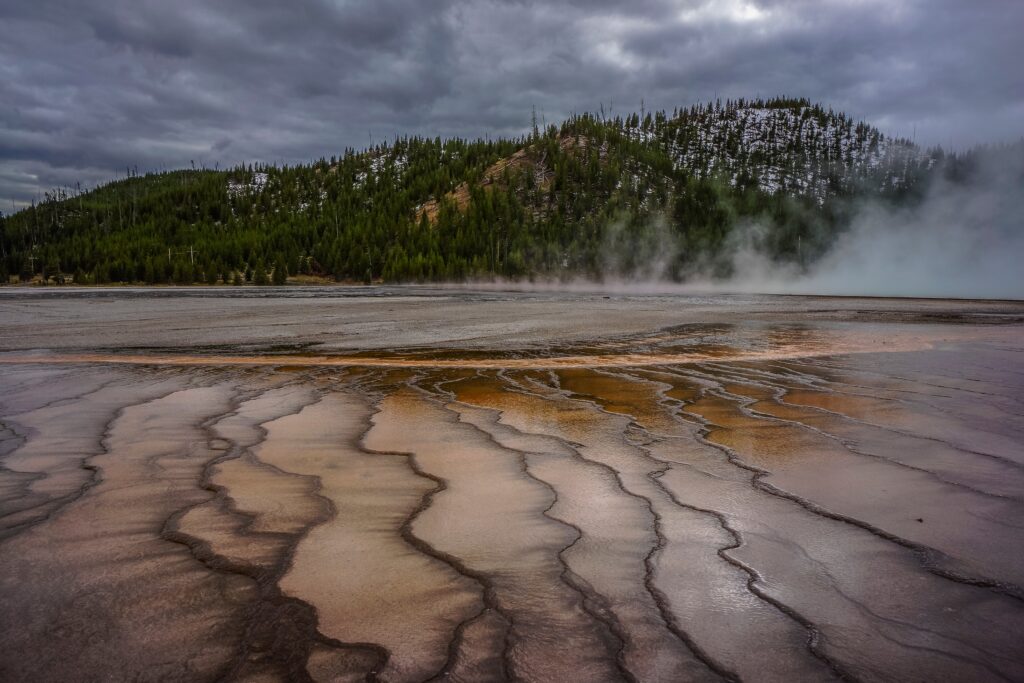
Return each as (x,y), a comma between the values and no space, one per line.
(260,275)
(280,271)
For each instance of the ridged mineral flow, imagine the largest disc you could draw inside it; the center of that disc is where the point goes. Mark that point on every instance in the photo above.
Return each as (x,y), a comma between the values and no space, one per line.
(608,513)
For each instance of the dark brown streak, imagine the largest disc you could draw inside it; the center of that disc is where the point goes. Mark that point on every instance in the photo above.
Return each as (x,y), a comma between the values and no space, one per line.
(592,604)
(59,503)
(929,558)
(292,621)
(489,598)
(745,405)
(659,598)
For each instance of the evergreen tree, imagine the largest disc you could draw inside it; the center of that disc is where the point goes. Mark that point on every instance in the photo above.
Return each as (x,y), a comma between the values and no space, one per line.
(280,275)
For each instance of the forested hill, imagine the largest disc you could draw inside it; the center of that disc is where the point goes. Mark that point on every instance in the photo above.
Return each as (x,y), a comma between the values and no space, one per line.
(593,197)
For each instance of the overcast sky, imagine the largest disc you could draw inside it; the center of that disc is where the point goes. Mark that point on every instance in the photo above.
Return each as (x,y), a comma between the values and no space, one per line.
(89,88)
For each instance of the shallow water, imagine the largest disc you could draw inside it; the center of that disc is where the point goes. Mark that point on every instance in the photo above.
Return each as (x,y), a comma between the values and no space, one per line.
(410,484)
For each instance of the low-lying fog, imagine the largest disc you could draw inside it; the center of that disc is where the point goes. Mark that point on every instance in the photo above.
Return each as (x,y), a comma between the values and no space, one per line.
(963,240)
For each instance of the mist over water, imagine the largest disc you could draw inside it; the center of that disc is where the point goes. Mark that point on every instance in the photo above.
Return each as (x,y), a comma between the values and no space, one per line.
(962,239)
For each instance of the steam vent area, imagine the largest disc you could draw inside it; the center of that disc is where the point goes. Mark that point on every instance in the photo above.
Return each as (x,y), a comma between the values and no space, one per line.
(425,484)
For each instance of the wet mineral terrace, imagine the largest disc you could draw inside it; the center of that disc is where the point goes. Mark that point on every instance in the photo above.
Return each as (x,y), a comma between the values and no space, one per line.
(412,485)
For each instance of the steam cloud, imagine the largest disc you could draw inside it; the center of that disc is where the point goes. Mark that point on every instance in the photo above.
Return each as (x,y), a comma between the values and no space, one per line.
(965,240)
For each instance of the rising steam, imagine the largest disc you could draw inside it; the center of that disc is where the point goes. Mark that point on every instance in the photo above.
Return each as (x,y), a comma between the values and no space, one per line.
(964,240)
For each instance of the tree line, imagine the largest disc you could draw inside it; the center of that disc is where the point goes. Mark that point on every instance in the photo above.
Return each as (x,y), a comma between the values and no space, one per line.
(592,197)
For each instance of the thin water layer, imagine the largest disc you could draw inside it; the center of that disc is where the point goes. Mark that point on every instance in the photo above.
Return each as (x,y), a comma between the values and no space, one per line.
(513,487)
(368,577)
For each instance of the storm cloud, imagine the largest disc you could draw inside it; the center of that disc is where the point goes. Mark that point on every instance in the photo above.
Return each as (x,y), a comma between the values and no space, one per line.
(90,89)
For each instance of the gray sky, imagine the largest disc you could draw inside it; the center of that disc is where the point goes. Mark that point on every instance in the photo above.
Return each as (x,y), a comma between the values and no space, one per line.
(89,88)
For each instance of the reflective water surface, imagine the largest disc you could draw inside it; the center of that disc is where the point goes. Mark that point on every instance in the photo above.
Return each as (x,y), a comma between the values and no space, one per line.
(487,487)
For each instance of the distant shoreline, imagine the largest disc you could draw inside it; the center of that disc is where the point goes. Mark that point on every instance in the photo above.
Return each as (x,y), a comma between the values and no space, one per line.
(524,287)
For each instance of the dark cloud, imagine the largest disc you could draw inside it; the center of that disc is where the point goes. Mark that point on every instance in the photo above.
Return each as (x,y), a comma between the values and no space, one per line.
(88,89)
